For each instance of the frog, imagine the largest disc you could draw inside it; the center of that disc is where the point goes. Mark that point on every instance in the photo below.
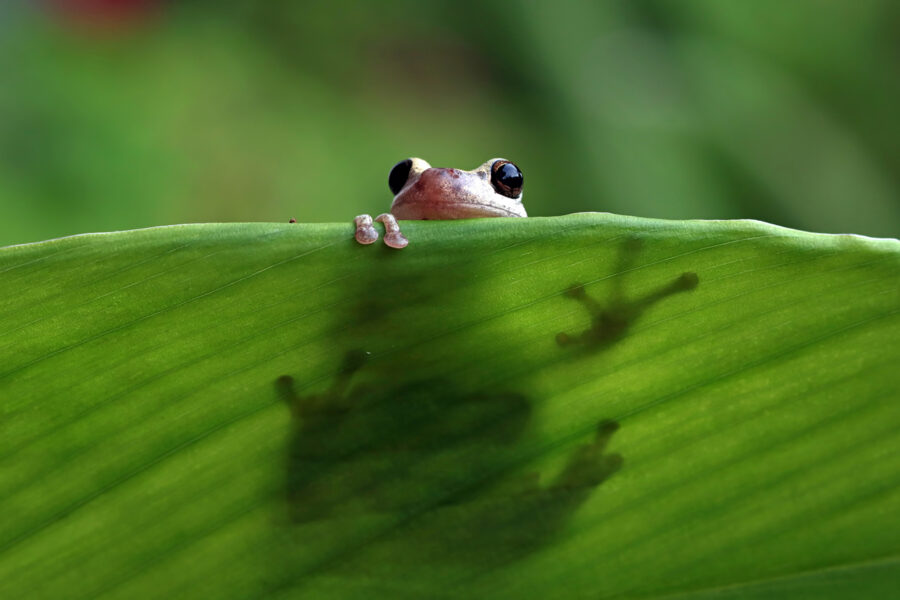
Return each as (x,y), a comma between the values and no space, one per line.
(422,192)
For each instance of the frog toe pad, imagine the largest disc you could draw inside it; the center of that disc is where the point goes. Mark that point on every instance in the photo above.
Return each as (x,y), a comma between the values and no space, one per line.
(392,235)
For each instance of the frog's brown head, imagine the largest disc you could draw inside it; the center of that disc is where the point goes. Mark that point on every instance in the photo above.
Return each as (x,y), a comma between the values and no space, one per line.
(424,192)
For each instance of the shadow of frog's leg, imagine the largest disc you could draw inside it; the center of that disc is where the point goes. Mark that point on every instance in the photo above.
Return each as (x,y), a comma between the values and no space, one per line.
(365,232)
(335,399)
(392,235)
(285,387)
(685,283)
(628,254)
(353,362)
(612,322)
(588,466)
(586,469)
(577,292)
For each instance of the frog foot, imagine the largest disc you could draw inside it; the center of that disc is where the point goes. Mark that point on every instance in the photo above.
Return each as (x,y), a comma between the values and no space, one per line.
(392,235)
(365,233)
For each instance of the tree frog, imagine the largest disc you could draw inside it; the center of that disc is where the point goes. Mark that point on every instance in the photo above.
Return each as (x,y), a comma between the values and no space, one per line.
(423,192)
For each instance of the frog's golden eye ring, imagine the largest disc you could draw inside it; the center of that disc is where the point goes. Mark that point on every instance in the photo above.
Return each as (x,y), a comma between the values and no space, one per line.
(507,179)
(399,175)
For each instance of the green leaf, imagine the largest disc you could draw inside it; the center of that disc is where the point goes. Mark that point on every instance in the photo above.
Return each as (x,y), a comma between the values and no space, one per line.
(588,406)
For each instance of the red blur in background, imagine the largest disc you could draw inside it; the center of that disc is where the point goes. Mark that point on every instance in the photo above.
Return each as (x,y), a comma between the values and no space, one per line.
(104,14)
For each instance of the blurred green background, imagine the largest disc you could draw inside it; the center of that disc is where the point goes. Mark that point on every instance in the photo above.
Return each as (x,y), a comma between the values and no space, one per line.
(118,114)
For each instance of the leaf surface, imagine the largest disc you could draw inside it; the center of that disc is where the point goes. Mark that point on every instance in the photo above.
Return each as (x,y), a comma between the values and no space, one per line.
(590,406)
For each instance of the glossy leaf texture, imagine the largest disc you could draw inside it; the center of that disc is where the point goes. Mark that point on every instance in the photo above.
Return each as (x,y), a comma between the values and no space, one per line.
(590,406)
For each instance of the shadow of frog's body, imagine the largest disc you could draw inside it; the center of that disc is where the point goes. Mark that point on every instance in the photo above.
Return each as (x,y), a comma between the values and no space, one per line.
(436,460)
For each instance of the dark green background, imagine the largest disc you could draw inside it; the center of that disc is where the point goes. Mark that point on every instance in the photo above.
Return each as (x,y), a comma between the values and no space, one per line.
(200,111)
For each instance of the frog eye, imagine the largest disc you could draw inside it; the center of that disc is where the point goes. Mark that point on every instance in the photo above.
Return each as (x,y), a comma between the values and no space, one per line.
(399,175)
(507,179)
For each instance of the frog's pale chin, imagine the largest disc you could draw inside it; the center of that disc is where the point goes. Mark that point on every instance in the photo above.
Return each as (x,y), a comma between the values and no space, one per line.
(437,210)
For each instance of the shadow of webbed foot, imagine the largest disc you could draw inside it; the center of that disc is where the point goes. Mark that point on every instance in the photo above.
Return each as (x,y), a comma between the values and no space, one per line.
(610,321)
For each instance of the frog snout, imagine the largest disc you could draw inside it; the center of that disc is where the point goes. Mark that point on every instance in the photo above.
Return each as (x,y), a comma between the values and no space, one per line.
(437,175)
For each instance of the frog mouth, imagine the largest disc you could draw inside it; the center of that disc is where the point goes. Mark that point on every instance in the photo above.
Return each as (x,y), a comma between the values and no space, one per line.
(490,210)
(440,208)
(498,210)
(506,212)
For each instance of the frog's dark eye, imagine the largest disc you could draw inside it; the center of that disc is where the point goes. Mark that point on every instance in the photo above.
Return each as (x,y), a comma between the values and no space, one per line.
(507,179)
(399,175)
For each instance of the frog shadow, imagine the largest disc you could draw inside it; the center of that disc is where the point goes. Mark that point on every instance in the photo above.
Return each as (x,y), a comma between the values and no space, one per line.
(436,461)
(610,321)
(444,461)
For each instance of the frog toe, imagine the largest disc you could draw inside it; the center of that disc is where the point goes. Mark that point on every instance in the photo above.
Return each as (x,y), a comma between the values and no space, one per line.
(365,231)
(395,240)
(392,235)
